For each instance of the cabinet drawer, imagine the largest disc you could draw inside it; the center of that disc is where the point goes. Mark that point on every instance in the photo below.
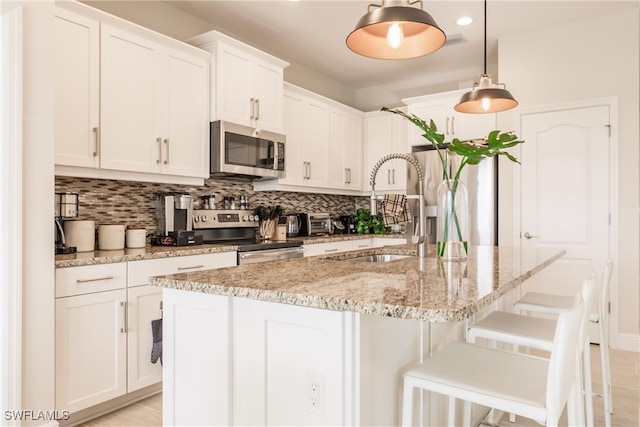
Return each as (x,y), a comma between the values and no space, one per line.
(90,278)
(358,245)
(327,248)
(140,271)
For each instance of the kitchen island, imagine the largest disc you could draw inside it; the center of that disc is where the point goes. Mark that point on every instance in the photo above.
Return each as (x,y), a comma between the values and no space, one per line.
(321,340)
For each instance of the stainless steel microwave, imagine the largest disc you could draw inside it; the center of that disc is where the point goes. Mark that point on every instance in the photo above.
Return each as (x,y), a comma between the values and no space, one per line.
(243,150)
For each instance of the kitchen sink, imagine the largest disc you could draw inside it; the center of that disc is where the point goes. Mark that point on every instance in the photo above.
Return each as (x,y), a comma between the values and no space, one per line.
(378,258)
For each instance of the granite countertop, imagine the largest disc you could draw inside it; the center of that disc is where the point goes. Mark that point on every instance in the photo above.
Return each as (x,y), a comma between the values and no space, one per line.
(409,288)
(154,252)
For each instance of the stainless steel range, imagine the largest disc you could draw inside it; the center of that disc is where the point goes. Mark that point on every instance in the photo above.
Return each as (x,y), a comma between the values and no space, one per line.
(239,227)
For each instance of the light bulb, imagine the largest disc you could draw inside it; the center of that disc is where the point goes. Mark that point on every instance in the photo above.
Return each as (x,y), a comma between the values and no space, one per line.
(486,104)
(395,35)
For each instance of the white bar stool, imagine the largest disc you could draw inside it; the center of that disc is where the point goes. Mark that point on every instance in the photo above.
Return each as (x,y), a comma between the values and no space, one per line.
(521,330)
(497,379)
(554,304)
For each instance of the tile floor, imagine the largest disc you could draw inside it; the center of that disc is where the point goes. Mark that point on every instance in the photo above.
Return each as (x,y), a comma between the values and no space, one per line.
(625,367)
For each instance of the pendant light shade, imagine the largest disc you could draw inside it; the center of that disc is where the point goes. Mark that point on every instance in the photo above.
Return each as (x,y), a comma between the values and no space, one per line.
(396,32)
(486,97)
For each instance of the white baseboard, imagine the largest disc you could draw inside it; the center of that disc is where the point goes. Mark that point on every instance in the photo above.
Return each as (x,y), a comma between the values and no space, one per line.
(627,342)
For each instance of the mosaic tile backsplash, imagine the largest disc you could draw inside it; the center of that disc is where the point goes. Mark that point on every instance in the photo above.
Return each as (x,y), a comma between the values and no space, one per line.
(132,203)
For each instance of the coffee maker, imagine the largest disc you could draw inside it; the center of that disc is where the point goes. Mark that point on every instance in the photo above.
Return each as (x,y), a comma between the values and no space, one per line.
(65,206)
(174,220)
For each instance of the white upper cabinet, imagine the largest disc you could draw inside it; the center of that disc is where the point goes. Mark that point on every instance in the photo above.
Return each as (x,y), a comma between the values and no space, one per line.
(346,149)
(153,106)
(130,103)
(385,133)
(77,88)
(323,147)
(246,84)
(439,108)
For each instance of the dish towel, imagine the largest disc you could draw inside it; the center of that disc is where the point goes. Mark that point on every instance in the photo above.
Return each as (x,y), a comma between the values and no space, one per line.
(156,347)
(394,209)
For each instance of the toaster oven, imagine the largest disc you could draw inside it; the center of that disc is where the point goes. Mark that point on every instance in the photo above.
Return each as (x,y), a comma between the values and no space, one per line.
(315,224)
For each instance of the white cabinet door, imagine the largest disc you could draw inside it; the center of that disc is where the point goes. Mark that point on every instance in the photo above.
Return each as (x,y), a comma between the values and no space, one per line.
(144,304)
(91,345)
(267,89)
(345,150)
(138,272)
(197,370)
(316,143)
(295,165)
(130,80)
(249,90)
(289,365)
(385,133)
(186,145)
(76,74)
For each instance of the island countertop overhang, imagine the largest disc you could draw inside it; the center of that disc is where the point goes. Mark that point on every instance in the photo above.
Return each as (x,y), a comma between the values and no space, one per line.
(412,288)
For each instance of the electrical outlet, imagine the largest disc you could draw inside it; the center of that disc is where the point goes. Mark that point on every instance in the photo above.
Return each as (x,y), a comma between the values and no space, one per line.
(314,392)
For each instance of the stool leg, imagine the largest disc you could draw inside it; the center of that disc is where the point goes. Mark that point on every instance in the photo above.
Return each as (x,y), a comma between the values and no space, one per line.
(407,403)
(466,420)
(588,389)
(452,412)
(606,375)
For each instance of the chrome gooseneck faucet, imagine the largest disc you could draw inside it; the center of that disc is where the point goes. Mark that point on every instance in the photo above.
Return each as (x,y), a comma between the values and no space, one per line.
(419,233)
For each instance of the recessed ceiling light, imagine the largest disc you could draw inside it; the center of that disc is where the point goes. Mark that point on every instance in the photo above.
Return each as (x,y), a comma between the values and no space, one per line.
(465,20)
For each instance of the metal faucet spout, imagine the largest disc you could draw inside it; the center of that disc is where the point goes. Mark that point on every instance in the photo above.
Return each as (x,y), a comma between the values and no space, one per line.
(419,235)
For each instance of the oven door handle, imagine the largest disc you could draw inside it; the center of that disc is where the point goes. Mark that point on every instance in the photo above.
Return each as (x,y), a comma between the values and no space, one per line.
(251,257)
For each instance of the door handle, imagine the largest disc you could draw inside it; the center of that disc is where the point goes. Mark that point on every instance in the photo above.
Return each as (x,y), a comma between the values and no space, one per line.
(166,144)
(252,103)
(123,307)
(96,146)
(530,236)
(447,127)
(453,132)
(257,114)
(159,141)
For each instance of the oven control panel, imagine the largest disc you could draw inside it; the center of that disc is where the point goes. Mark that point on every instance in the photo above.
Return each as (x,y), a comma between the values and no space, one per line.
(218,218)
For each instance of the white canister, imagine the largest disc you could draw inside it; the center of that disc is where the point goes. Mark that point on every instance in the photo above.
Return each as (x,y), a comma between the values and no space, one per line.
(81,234)
(110,237)
(136,237)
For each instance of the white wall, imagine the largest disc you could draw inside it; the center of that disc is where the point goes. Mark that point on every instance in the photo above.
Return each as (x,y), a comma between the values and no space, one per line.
(582,61)
(38,189)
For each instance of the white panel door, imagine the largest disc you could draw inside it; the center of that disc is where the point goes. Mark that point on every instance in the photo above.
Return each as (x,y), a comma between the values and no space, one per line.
(91,349)
(76,73)
(129,102)
(293,129)
(186,144)
(338,175)
(353,151)
(565,193)
(143,306)
(267,88)
(316,142)
(234,89)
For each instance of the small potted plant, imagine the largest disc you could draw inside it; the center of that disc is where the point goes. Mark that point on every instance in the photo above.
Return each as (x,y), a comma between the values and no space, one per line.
(367,223)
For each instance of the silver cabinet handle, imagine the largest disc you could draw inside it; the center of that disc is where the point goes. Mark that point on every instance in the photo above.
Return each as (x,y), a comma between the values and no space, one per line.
(96,141)
(393,176)
(453,132)
(253,108)
(530,236)
(304,170)
(389,176)
(166,145)
(159,141)
(191,268)
(349,175)
(123,307)
(257,102)
(309,170)
(447,127)
(363,246)
(346,175)
(96,279)
(331,250)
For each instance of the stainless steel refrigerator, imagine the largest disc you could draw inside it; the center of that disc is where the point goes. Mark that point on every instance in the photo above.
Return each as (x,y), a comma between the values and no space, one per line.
(481,182)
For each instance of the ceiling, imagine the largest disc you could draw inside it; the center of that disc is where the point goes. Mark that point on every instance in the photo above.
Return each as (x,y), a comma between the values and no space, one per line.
(310,34)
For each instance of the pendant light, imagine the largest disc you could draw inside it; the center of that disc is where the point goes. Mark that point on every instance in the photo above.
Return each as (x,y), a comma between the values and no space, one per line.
(485,96)
(395,30)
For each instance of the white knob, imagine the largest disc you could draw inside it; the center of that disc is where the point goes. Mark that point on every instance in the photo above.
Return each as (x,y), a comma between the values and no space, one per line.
(203,218)
(245,218)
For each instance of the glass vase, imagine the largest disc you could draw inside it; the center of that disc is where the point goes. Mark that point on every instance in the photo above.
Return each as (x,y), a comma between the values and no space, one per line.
(453,221)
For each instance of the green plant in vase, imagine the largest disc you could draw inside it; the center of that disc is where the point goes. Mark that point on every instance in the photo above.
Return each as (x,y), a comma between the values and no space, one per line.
(365,222)
(472,153)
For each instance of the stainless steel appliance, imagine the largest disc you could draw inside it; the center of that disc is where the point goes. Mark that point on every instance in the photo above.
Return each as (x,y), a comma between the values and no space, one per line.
(315,224)
(348,223)
(174,219)
(65,207)
(239,228)
(244,151)
(480,181)
(293,225)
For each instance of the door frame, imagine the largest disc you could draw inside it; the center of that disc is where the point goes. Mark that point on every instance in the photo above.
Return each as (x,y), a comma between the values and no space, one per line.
(616,341)
(11,41)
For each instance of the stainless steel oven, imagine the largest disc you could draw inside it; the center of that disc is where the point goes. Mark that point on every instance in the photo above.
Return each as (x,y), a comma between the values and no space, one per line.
(238,228)
(246,151)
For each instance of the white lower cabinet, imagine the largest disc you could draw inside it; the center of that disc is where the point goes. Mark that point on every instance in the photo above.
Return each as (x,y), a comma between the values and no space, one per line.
(144,304)
(91,339)
(103,326)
